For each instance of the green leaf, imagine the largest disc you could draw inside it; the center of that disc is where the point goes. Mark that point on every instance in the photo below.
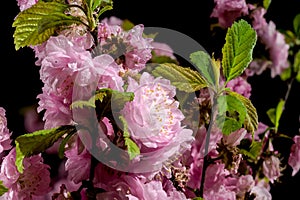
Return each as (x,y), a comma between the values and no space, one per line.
(3,189)
(296,24)
(184,78)
(274,114)
(132,148)
(127,25)
(203,64)
(254,150)
(198,198)
(116,98)
(231,113)
(266,3)
(286,74)
(238,49)
(36,24)
(251,120)
(37,142)
(109,99)
(296,65)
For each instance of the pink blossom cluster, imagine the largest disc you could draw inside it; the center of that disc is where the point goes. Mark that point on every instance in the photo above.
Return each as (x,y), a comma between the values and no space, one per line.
(227,11)
(176,159)
(273,40)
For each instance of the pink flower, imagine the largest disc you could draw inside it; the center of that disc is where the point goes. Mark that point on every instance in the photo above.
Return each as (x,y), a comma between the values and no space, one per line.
(273,40)
(227,11)
(240,85)
(163,49)
(32,120)
(261,193)
(57,112)
(25,4)
(154,119)
(234,138)
(5,134)
(78,162)
(271,168)
(32,183)
(244,184)
(131,44)
(294,157)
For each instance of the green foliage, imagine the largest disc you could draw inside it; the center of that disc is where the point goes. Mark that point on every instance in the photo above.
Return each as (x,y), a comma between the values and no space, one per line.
(296,65)
(231,113)
(296,25)
(254,151)
(251,120)
(184,78)
(266,3)
(3,189)
(127,25)
(237,51)
(132,148)
(274,114)
(37,142)
(106,97)
(198,198)
(203,64)
(36,24)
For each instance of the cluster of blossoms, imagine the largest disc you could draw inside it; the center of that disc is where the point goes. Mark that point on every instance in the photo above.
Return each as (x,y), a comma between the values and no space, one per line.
(173,155)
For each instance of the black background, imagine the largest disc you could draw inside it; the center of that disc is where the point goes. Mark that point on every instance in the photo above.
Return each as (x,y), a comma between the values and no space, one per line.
(20,83)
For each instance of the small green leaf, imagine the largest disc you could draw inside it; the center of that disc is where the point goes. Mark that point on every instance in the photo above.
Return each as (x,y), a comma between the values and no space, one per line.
(3,189)
(238,49)
(36,24)
(127,25)
(109,100)
(266,4)
(251,120)
(254,150)
(37,142)
(184,78)
(198,198)
(132,148)
(296,24)
(274,114)
(231,113)
(296,65)
(286,74)
(203,64)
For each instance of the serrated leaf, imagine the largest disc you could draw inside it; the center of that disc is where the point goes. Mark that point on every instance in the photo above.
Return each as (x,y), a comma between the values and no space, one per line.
(185,79)
(37,142)
(296,24)
(3,189)
(274,114)
(36,24)
(231,113)
(203,64)
(251,120)
(238,48)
